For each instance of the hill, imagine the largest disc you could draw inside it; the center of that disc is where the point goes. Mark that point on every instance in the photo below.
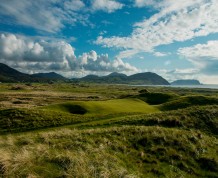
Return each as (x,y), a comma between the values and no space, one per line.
(50,75)
(186,82)
(146,78)
(8,74)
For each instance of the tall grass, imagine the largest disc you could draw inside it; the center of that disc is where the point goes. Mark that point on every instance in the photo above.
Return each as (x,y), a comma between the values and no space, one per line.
(128,151)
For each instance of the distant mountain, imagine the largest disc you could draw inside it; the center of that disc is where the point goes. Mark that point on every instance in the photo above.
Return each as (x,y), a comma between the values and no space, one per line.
(116,74)
(8,74)
(186,82)
(90,77)
(146,78)
(50,75)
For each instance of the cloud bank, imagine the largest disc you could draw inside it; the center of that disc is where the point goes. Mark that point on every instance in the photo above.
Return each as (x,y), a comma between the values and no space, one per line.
(53,15)
(31,55)
(176,21)
(203,56)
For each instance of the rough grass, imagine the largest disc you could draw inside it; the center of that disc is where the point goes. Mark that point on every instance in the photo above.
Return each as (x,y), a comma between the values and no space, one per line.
(204,119)
(18,120)
(86,131)
(187,101)
(155,98)
(128,151)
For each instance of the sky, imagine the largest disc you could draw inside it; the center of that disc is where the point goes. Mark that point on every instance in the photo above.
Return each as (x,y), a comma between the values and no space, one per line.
(177,39)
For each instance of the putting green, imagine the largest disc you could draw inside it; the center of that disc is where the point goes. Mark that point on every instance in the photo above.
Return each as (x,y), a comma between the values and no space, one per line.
(105,107)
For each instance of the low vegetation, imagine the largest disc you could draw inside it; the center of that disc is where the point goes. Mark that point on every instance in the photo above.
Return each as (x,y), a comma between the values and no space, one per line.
(87,130)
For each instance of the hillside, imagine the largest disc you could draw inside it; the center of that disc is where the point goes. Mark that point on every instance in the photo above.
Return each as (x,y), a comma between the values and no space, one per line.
(50,75)
(148,78)
(8,74)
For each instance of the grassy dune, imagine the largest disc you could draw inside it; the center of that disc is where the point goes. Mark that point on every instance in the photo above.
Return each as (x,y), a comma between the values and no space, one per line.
(131,105)
(128,151)
(71,130)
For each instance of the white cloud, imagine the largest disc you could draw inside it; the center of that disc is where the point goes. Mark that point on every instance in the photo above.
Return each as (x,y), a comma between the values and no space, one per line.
(143,3)
(203,56)
(176,21)
(199,51)
(127,54)
(32,55)
(74,5)
(106,5)
(49,16)
(208,79)
(159,54)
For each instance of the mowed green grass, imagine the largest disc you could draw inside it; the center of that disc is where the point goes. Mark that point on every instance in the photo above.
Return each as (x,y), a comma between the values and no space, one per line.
(130,105)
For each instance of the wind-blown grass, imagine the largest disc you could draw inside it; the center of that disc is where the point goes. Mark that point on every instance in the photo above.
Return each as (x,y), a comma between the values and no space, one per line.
(86,131)
(187,101)
(128,151)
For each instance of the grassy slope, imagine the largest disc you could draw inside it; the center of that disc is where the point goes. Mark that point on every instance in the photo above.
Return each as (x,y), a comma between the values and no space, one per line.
(115,140)
(16,120)
(107,107)
(187,101)
(128,151)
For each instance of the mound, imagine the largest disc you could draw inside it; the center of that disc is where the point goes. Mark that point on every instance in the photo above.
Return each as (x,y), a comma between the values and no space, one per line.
(187,101)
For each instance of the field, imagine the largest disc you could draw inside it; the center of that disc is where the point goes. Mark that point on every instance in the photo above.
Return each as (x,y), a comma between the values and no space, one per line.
(88,130)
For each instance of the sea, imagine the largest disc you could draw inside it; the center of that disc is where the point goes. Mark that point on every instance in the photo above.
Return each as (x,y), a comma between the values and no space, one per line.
(206,86)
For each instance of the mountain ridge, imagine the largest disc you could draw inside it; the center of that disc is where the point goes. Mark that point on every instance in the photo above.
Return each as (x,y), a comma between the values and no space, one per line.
(146,78)
(8,74)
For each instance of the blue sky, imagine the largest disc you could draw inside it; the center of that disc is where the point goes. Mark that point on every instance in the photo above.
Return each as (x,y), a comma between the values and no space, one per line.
(175,39)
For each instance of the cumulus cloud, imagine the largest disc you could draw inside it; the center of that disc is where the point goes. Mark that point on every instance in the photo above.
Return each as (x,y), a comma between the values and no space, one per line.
(176,21)
(33,55)
(203,56)
(49,16)
(106,5)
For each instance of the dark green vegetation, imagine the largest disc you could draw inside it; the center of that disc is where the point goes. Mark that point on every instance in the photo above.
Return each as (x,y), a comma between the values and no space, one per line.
(8,74)
(89,130)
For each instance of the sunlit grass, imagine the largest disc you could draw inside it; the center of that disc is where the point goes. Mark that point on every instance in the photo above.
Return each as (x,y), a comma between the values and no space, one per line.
(107,107)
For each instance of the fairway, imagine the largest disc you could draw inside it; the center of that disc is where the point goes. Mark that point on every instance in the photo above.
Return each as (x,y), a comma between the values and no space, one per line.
(104,107)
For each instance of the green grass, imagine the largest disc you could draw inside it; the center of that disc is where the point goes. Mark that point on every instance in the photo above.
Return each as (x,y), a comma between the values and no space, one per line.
(187,101)
(18,120)
(70,130)
(155,98)
(128,151)
(130,105)
(204,119)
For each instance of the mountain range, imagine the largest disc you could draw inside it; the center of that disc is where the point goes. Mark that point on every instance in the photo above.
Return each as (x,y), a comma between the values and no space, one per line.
(146,78)
(8,74)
